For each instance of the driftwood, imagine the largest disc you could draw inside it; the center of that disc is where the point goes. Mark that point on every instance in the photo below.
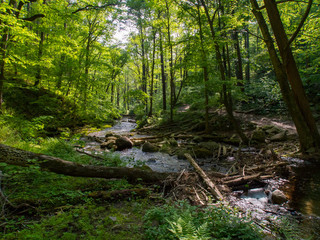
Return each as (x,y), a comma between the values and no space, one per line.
(15,156)
(241,180)
(212,187)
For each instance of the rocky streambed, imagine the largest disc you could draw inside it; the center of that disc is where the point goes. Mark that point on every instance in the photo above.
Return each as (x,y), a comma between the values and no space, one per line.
(281,192)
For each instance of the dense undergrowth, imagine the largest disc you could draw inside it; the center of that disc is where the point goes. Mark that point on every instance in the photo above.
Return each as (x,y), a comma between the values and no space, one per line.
(37,112)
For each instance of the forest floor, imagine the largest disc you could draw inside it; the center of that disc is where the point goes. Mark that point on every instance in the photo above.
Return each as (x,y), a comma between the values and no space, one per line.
(60,207)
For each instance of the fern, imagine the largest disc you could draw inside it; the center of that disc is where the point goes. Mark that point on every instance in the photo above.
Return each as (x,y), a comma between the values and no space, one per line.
(185,229)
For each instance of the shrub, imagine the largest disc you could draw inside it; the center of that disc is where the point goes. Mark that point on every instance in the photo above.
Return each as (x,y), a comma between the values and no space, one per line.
(189,222)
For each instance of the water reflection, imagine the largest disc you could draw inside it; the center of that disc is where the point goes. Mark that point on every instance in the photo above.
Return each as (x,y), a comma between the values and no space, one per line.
(304,190)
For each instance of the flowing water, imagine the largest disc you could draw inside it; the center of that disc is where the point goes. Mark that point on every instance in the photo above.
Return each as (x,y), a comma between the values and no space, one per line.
(160,162)
(303,190)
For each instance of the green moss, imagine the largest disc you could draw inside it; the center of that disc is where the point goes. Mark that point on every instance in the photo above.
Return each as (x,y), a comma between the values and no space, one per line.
(89,221)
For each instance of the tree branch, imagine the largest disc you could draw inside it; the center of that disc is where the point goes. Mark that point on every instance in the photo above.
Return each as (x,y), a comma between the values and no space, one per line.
(251,33)
(304,18)
(283,1)
(34,17)
(92,7)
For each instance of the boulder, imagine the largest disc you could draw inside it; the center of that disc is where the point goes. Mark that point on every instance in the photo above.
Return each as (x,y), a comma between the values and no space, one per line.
(278,197)
(258,135)
(123,143)
(108,144)
(149,147)
(282,136)
(271,130)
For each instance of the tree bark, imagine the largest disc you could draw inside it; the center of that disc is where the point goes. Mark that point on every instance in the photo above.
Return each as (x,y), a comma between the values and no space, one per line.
(205,72)
(227,99)
(238,60)
(172,86)
(15,156)
(287,75)
(212,187)
(40,53)
(152,72)
(163,75)
(3,51)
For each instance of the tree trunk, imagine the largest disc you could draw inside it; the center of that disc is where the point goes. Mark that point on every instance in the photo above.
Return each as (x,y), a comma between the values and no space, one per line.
(163,76)
(294,97)
(152,72)
(247,47)
(15,156)
(227,99)
(40,53)
(238,61)
(172,87)
(112,92)
(292,71)
(205,72)
(3,51)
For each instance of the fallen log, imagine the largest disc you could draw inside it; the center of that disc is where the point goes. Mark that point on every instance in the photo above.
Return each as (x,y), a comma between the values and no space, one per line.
(19,157)
(241,180)
(262,167)
(212,187)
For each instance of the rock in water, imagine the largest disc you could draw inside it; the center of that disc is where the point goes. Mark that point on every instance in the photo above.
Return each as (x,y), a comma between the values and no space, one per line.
(123,143)
(278,197)
(148,147)
(109,144)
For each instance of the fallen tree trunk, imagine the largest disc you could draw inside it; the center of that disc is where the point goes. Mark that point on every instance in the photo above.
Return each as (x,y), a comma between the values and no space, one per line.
(19,157)
(241,180)
(212,187)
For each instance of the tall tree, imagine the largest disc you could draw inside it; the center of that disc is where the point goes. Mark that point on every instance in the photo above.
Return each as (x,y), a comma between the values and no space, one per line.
(287,72)
(226,93)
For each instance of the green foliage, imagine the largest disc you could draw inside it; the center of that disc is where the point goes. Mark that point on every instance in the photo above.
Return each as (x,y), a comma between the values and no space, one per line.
(88,221)
(189,222)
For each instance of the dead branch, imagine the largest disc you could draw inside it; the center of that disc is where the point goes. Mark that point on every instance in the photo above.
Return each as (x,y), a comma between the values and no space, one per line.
(213,189)
(241,180)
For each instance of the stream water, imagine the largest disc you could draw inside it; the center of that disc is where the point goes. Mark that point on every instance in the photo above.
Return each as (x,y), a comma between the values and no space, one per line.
(303,190)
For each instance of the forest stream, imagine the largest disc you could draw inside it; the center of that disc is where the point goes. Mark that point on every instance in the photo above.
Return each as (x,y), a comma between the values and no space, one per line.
(302,190)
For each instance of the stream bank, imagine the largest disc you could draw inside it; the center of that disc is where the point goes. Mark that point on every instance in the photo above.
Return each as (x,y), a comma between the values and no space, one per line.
(300,189)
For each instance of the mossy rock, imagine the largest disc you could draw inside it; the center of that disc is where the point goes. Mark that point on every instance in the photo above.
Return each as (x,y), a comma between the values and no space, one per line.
(282,136)
(149,147)
(258,135)
(271,130)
